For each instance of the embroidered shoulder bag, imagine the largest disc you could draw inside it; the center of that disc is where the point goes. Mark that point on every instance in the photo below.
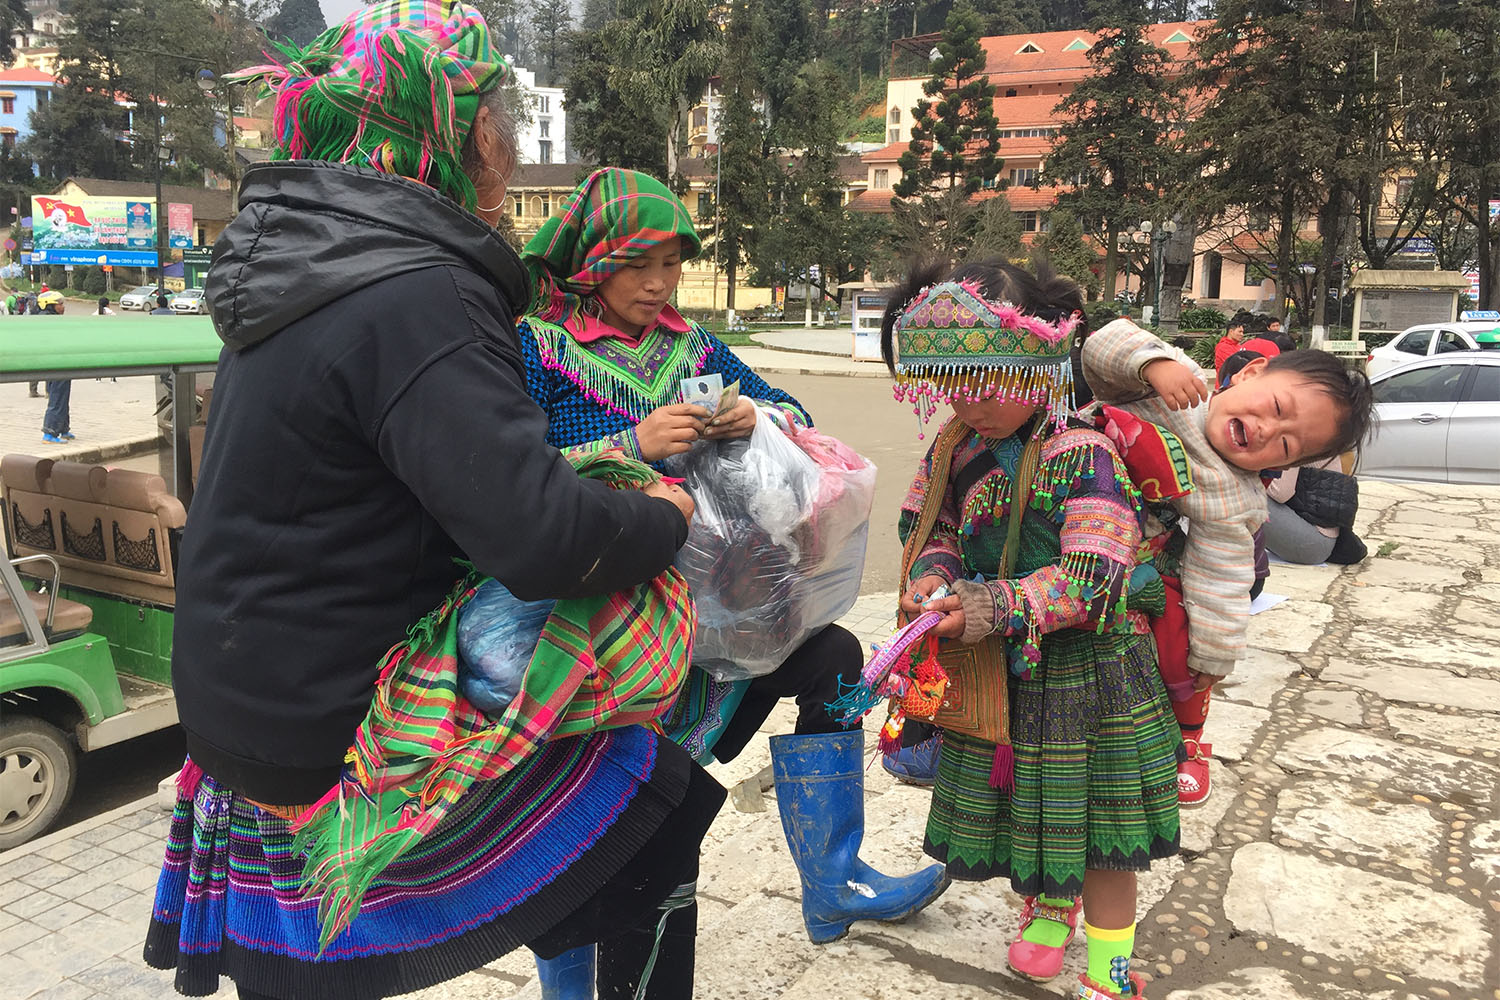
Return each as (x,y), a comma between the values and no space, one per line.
(976,700)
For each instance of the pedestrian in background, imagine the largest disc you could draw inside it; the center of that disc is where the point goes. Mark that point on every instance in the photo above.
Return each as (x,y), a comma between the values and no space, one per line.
(1234,336)
(56,427)
(104,309)
(162,305)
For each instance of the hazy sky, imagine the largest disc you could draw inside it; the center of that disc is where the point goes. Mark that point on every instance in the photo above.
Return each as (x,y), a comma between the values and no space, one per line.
(336,10)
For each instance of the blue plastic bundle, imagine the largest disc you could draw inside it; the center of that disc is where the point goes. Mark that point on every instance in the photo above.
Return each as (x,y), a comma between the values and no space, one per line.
(497,635)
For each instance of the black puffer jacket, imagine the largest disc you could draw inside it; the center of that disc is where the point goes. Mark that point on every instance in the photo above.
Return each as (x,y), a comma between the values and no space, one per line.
(370,424)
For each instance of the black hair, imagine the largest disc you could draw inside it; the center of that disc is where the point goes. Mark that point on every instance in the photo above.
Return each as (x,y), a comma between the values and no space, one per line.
(1045,294)
(1240,319)
(1350,391)
(103,302)
(161,300)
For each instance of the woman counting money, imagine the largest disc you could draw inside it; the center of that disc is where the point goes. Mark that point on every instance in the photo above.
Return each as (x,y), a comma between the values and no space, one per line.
(611,361)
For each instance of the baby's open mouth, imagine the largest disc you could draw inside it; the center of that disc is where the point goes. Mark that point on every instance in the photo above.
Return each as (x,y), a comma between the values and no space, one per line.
(1237,433)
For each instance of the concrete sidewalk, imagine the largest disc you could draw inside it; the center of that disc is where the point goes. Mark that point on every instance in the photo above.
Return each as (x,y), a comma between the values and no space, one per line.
(1351,850)
(110,418)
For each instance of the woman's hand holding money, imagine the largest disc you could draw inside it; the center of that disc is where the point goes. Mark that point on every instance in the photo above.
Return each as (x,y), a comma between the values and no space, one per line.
(671,430)
(737,422)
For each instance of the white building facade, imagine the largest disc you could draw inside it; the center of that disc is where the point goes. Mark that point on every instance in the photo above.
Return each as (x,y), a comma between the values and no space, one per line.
(544,138)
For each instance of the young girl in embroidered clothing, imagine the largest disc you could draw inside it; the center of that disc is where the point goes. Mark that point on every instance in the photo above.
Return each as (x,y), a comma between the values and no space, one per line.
(605,355)
(1093,796)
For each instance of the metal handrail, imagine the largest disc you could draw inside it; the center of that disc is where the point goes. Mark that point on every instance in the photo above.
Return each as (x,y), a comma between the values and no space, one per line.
(52,591)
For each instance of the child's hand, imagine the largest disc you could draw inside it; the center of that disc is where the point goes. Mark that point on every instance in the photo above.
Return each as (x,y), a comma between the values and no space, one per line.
(1202,682)
(952,625)
(923,588)
(679,497)
(1176,383)
(669,430)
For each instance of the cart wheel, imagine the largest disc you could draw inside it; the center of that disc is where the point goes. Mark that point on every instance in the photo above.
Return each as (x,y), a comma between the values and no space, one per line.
(37,771)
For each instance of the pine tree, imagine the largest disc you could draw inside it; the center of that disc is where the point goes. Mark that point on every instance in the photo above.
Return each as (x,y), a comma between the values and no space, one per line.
(1114,147)
(662,54)
(1069,253)
(1264,139)
(955,136)
(74,132)
(783,43)
(742,209)
(606,129)
(297,21)
(997,231)
(508,29)
(551,22)
(13,18)
(1470,103)
(810,224)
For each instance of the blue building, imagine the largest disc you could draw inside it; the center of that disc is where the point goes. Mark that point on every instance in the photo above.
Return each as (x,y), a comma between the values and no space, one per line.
(22,91)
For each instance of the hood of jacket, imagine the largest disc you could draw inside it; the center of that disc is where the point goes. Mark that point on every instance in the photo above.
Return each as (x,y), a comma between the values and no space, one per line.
(310,232)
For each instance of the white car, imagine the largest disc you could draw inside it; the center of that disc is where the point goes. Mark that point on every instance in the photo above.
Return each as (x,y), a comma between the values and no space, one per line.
(190,300)
(141,298)
(1430,339)
(1437,420)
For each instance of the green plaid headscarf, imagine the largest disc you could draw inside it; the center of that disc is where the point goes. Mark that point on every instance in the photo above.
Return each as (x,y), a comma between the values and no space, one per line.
(611,218)
(396,87)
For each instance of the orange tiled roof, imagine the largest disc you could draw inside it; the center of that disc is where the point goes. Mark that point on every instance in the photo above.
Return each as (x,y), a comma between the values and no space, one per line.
(888,153)
(1003,58)
(25,74)
(878,202)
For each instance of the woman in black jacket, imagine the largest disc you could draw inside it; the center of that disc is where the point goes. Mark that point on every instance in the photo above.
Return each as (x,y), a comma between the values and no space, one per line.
(371,426)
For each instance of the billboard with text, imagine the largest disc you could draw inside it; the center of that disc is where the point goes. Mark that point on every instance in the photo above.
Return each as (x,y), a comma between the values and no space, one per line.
(93,231)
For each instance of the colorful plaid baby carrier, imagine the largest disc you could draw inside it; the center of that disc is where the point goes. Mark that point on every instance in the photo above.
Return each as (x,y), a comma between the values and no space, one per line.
(601,662)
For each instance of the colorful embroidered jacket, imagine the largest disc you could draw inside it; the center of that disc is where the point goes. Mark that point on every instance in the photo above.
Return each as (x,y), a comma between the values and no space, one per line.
(1078,538)
(1224,509)
(596,391)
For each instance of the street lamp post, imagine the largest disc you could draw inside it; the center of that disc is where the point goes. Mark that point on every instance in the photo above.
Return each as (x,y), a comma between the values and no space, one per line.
(1159,239)
(205,81)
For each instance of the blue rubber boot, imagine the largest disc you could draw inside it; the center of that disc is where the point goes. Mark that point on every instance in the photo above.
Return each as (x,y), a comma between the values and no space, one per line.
(569,976)
(914,765)
(820,791)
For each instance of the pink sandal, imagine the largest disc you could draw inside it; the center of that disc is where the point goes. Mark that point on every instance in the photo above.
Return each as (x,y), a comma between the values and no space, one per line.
(1037,961)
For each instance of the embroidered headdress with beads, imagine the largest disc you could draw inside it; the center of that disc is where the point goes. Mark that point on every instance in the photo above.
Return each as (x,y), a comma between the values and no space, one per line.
(954,342)
(395,86)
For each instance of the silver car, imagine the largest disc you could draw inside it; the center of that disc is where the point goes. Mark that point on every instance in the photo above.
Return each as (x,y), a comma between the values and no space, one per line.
(1437,420)
(141,298)
(190,300)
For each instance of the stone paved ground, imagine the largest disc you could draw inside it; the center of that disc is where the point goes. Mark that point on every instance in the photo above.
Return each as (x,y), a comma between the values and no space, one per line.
(1351,851)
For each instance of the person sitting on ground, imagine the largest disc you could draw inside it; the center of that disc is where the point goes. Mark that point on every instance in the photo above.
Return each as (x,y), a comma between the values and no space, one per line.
(1279,336)
(1311,515)
(104,309)
(1295,408)
(1234,336)
(163,305)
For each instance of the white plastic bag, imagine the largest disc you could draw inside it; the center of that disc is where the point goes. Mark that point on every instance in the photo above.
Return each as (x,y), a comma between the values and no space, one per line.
(777,546)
